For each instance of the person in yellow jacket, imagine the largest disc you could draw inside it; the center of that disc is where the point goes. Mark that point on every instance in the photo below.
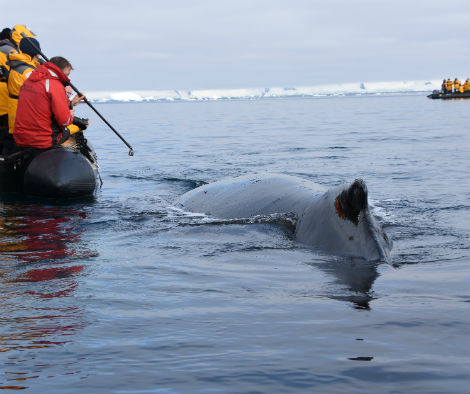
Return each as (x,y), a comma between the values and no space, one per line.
(21,66)
(466,85)
(6,47)
(9,41)
(456,85)
(449,85)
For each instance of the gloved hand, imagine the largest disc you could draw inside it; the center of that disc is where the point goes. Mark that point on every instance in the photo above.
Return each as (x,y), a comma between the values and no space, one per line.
(80,122)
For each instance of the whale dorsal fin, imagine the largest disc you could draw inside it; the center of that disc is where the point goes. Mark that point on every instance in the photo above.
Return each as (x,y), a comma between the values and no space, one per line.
(352,201)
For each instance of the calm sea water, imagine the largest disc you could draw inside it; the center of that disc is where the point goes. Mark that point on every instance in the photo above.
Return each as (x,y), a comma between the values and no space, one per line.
(124,293)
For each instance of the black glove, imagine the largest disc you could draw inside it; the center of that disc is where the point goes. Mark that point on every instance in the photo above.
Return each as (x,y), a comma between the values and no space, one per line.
(80,122)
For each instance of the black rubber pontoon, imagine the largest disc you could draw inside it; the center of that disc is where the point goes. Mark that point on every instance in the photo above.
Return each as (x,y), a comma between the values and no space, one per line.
(437,94)
(60,172)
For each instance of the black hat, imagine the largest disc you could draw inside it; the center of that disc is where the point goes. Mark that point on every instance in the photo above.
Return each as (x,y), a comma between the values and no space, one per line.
(5,33)
(26,47)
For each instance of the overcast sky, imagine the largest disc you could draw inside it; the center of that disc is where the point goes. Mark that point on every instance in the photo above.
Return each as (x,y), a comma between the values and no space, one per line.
(204,44)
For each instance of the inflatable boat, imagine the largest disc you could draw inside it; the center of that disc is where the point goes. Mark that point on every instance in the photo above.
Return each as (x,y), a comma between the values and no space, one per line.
(67,170)
(437,94)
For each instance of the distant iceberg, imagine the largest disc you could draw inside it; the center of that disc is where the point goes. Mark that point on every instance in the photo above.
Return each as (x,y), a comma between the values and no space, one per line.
(345,89)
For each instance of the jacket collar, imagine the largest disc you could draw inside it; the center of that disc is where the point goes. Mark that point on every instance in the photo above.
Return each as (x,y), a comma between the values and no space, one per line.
(56,72)
(23,57)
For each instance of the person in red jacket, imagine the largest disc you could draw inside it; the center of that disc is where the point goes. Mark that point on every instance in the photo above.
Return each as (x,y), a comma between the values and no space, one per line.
(43,107)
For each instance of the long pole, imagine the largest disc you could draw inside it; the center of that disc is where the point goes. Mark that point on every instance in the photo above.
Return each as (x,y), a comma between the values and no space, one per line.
(131,151)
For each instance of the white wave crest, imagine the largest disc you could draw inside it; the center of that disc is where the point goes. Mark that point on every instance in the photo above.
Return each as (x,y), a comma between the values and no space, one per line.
(345,89)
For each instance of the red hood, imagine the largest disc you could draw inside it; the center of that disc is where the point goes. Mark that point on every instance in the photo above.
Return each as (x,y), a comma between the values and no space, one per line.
(48,71)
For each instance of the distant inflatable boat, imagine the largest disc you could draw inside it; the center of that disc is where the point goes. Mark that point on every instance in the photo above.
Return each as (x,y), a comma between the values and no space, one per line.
(70,170)
(437,94)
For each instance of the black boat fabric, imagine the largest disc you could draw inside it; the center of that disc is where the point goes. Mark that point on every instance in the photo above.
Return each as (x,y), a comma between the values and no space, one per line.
(59,172)
(437,94)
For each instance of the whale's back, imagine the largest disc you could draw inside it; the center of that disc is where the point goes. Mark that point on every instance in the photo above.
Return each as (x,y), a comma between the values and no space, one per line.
(337,220)
(249,196)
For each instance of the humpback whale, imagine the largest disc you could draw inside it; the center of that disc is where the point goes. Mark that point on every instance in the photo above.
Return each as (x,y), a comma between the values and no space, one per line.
(336,220)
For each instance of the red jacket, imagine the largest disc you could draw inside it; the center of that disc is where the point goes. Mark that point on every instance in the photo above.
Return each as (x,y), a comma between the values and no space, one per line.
(42,97)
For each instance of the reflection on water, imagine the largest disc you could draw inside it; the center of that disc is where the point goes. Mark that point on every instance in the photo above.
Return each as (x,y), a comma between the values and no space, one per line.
(356,276)
(41,262)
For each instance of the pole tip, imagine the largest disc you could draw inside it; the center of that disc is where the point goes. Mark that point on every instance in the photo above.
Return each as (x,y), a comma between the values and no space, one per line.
(131,152)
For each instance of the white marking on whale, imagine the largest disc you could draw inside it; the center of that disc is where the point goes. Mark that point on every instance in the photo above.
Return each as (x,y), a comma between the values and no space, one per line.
(336,220)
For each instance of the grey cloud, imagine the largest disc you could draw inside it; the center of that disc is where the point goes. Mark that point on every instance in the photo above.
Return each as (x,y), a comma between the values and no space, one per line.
(240,43)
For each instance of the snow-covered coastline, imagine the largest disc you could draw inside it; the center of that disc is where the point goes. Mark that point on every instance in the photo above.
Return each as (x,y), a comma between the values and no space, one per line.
(344,89)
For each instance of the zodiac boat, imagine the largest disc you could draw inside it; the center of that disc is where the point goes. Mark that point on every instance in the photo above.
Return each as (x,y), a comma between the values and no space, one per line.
(437,94)
(68,170)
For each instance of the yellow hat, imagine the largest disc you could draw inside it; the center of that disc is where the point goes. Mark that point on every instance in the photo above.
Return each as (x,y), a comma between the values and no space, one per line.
(16,33)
